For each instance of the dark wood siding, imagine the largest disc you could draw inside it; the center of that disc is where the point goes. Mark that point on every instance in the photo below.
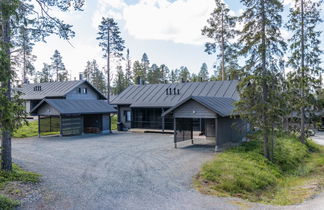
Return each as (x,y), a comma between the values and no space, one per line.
(71,125)
(192,109)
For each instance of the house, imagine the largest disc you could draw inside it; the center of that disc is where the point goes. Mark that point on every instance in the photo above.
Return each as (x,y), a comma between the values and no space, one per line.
(183,108)
(68,108)
(78,89)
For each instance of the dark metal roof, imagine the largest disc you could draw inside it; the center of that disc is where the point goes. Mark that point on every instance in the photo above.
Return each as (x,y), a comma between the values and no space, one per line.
(78,106)
(155,95)
(52,89)
(220,105)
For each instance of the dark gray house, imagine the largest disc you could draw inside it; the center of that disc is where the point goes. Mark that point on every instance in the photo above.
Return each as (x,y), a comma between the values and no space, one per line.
(79,89)
(183,108)
(68,108)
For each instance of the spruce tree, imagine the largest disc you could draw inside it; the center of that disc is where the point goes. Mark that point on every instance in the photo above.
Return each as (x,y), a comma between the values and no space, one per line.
(184,74)
(203,73)
(119,82)
(45,75)
(111,43)
(221,29)
(305,59)
(260,102)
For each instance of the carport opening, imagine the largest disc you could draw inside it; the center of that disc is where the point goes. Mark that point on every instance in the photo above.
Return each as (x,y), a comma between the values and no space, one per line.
(92,123)
(49,125)
(194,130)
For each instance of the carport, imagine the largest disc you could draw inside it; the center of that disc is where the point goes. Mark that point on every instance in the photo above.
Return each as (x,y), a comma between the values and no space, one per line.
(73,117)
(220,124)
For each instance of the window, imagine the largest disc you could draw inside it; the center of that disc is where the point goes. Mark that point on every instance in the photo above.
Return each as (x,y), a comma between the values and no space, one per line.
(85,90)
(128,116)
(80,90)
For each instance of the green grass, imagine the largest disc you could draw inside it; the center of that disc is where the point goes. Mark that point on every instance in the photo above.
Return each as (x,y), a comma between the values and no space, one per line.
(30,130)
(8,203)
(294,175)
(114,122)
(17,174)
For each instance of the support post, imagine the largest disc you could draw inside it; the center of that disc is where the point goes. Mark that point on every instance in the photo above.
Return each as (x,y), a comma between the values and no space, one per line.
(39,135)
(175,132)
(163,121)
(191,129)
(109,124)
(50,118)
(216,133)
(82,125)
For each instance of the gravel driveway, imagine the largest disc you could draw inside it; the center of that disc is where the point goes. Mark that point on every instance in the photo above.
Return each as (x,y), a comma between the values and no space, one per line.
(118,171)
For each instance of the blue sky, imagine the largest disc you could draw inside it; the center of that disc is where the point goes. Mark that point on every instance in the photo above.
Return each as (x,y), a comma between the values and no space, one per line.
(168,31)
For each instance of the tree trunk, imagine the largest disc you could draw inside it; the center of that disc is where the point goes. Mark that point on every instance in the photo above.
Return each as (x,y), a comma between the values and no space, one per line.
(264,85)
(108,66)
(302,110)
(223,49)
(6,163)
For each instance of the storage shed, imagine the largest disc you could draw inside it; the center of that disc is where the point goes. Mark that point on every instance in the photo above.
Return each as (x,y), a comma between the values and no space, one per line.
(73,117)
(220,123)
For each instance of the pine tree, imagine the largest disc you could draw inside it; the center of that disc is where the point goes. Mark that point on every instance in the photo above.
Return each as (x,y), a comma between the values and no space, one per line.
(111,43)
(260,94)
(12,109)
(58,67)
(174,76)
(220,28)
(305,58)
(203,73)
(95,76)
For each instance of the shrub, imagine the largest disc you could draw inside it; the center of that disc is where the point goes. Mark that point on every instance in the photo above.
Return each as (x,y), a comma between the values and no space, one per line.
(289,152)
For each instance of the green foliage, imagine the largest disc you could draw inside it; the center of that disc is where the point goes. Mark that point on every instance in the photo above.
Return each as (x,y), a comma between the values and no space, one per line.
(119,82)
(114,122)
(58,67)
(96,77)
(244,172)
(17,174)
(8,203)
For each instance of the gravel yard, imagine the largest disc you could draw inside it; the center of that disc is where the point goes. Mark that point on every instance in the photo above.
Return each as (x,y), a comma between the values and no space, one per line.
(118,171)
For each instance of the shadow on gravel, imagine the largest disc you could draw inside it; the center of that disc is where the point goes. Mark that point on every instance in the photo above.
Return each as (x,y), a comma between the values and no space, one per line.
(199,148)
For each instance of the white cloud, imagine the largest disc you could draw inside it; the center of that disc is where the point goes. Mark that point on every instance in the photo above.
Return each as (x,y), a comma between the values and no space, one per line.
(180,21)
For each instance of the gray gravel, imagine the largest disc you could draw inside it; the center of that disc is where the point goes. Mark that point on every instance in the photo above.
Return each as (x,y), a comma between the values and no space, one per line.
(118,171)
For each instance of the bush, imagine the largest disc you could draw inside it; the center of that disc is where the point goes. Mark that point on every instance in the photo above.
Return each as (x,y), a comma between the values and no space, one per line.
(289,152)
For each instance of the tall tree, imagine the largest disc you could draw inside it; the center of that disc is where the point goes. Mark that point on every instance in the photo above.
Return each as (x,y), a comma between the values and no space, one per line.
(220,28)
(58,67)
(111,43)
(305,58)
(203,73)
(145,62)
(128,72)
(260,101)
(44,24)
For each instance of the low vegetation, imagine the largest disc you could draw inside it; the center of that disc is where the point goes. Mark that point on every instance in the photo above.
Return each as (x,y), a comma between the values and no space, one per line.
(17,174)
(295,174)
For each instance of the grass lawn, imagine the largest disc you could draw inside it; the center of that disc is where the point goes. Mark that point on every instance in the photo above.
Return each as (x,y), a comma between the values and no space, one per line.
(17,174)
(296,174)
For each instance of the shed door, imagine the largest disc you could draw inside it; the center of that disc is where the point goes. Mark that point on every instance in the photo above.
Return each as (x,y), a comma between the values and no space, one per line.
(71,125)
(210,127)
